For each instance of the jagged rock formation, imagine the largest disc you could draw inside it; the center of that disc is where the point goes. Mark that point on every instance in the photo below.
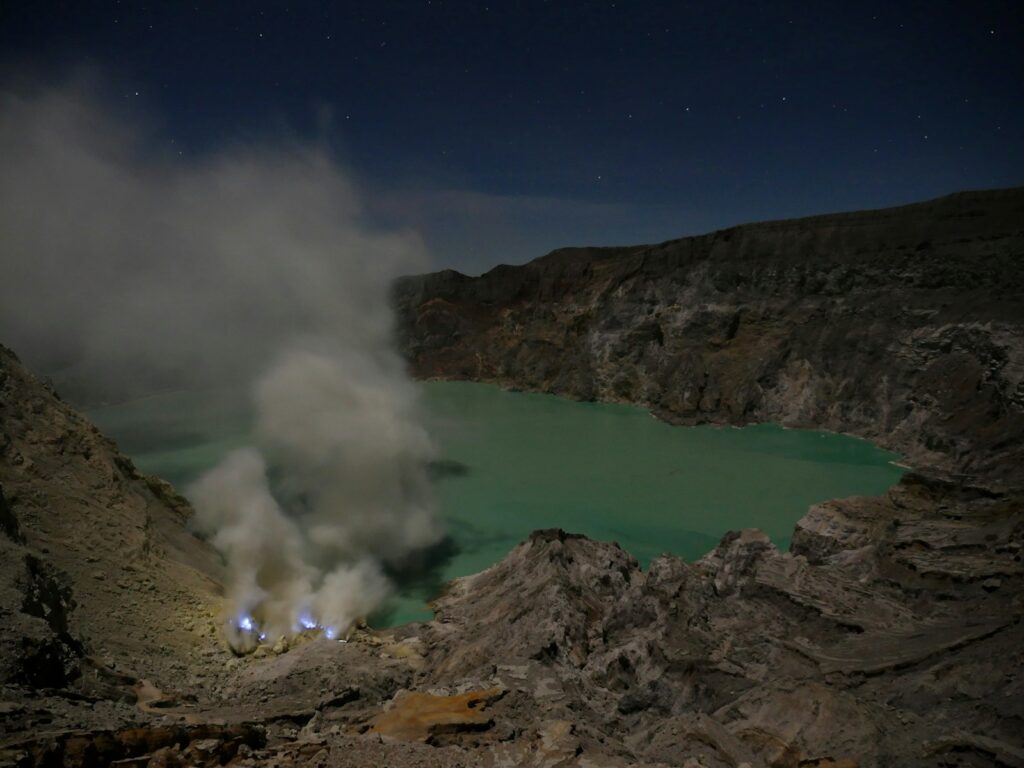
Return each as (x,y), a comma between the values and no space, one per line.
(762,657)
(902,325)
(890,633)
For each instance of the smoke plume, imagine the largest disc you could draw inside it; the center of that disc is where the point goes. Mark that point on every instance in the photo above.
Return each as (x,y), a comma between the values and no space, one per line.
(127,268)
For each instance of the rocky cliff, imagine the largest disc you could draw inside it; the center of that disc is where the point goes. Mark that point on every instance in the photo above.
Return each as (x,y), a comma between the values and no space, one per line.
(901,325)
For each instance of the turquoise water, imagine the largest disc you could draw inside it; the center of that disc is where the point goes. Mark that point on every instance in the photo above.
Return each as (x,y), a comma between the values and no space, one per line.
(514,462)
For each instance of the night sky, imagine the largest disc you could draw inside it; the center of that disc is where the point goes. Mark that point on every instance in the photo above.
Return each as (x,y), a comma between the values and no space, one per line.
(502,130)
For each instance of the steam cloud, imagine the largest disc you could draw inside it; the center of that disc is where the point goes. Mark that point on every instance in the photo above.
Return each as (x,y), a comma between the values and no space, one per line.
(124,263)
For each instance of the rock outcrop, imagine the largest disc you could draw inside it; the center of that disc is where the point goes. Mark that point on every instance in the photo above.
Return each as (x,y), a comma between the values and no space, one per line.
(758,656)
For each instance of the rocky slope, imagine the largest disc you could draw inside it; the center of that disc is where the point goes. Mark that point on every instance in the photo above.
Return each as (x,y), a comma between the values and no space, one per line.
(890,634)
(100,548)
(901,325)
(103,593)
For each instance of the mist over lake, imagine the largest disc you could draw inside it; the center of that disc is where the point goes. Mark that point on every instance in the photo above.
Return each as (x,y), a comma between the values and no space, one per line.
(514,462)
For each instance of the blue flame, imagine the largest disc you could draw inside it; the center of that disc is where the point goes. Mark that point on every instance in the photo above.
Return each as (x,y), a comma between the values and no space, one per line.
(246,623)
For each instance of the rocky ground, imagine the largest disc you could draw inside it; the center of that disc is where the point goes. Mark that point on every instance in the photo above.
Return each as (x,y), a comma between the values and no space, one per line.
(889,634)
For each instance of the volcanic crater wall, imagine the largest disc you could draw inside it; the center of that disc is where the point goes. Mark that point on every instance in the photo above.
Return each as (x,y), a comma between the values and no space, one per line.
(889,634)
(901,325)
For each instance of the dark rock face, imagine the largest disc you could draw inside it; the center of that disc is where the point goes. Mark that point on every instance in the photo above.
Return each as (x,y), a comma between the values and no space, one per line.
(50,662)
(8,522)
(901,325)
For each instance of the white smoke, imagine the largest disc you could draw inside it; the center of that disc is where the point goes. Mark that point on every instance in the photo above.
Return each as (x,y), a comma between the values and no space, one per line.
(339,424)
(270,579)
(132,268)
